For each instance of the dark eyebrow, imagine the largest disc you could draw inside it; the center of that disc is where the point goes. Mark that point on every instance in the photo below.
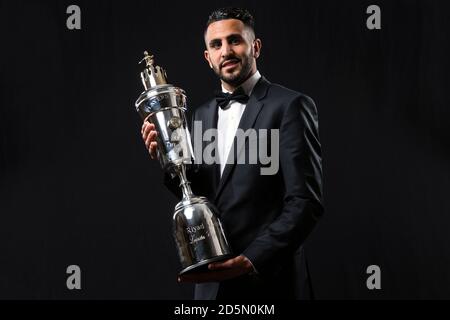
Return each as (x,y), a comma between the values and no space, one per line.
(213,42)
(230,37)
(234,36)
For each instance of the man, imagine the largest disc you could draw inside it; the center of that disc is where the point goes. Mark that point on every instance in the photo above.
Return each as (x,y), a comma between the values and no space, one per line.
(266,217)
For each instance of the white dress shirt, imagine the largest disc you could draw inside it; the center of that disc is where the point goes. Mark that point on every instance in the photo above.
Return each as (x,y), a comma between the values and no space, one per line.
(228,121)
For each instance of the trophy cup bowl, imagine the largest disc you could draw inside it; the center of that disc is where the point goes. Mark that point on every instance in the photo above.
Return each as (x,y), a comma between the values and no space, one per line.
(197,230)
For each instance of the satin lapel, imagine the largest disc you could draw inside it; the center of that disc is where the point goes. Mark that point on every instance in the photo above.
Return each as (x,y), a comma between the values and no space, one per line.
(210,116)
(248,119)
(211,123)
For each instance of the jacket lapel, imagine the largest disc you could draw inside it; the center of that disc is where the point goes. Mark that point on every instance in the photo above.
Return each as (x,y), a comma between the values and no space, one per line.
(247,121)
(211,123)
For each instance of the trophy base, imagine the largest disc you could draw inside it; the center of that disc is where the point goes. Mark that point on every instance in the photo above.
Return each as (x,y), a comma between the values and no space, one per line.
(202,266)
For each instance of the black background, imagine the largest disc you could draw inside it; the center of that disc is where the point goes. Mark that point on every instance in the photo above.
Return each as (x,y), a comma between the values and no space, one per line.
(78,187)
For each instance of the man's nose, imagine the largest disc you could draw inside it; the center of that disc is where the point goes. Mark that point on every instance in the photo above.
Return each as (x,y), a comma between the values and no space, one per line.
(226,50)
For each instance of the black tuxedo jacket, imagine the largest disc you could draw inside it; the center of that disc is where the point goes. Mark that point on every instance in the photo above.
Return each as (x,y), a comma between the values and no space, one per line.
(266,217)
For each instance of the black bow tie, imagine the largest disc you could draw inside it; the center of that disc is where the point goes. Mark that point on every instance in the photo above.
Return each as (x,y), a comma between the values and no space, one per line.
(223,98)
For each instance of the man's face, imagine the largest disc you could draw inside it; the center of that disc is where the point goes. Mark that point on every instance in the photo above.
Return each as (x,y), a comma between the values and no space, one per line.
(231,50)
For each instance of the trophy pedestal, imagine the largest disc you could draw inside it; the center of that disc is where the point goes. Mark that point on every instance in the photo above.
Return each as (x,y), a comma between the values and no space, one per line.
(202,266)
(199,235)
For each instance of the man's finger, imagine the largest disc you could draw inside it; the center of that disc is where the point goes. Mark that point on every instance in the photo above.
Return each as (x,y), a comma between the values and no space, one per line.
(147,128)
(230,263)
(152,150)
(150,138)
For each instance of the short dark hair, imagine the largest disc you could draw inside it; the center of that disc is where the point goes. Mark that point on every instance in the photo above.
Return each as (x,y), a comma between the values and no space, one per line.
(232,13)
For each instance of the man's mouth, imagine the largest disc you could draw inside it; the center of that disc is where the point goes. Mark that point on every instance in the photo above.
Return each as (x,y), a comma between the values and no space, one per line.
(230,63)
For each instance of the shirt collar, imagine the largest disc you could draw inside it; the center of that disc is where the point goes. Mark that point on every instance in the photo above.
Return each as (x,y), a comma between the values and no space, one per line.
(249,84)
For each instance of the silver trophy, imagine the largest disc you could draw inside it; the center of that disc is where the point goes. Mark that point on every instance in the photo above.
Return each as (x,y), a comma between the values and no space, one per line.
(198,232)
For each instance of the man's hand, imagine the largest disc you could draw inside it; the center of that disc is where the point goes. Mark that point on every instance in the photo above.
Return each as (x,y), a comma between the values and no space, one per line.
(149,135)
(220,271)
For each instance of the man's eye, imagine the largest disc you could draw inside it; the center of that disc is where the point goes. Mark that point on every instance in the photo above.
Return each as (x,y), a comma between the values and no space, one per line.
(235,41)
(215,45)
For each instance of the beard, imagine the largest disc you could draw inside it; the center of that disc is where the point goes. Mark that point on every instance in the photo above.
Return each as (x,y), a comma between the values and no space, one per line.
(235,79)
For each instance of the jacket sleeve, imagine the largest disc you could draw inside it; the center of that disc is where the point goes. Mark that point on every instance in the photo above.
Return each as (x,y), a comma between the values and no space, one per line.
(301,169)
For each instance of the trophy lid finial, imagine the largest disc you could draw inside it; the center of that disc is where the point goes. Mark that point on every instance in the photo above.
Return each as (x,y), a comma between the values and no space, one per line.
(152,75)
(149,59)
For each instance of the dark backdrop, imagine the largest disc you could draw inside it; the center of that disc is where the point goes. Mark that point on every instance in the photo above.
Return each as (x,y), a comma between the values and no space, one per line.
(78,187)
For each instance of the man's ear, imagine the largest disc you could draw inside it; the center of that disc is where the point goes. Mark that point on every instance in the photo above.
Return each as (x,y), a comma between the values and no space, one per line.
(206,53)
(257,45)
